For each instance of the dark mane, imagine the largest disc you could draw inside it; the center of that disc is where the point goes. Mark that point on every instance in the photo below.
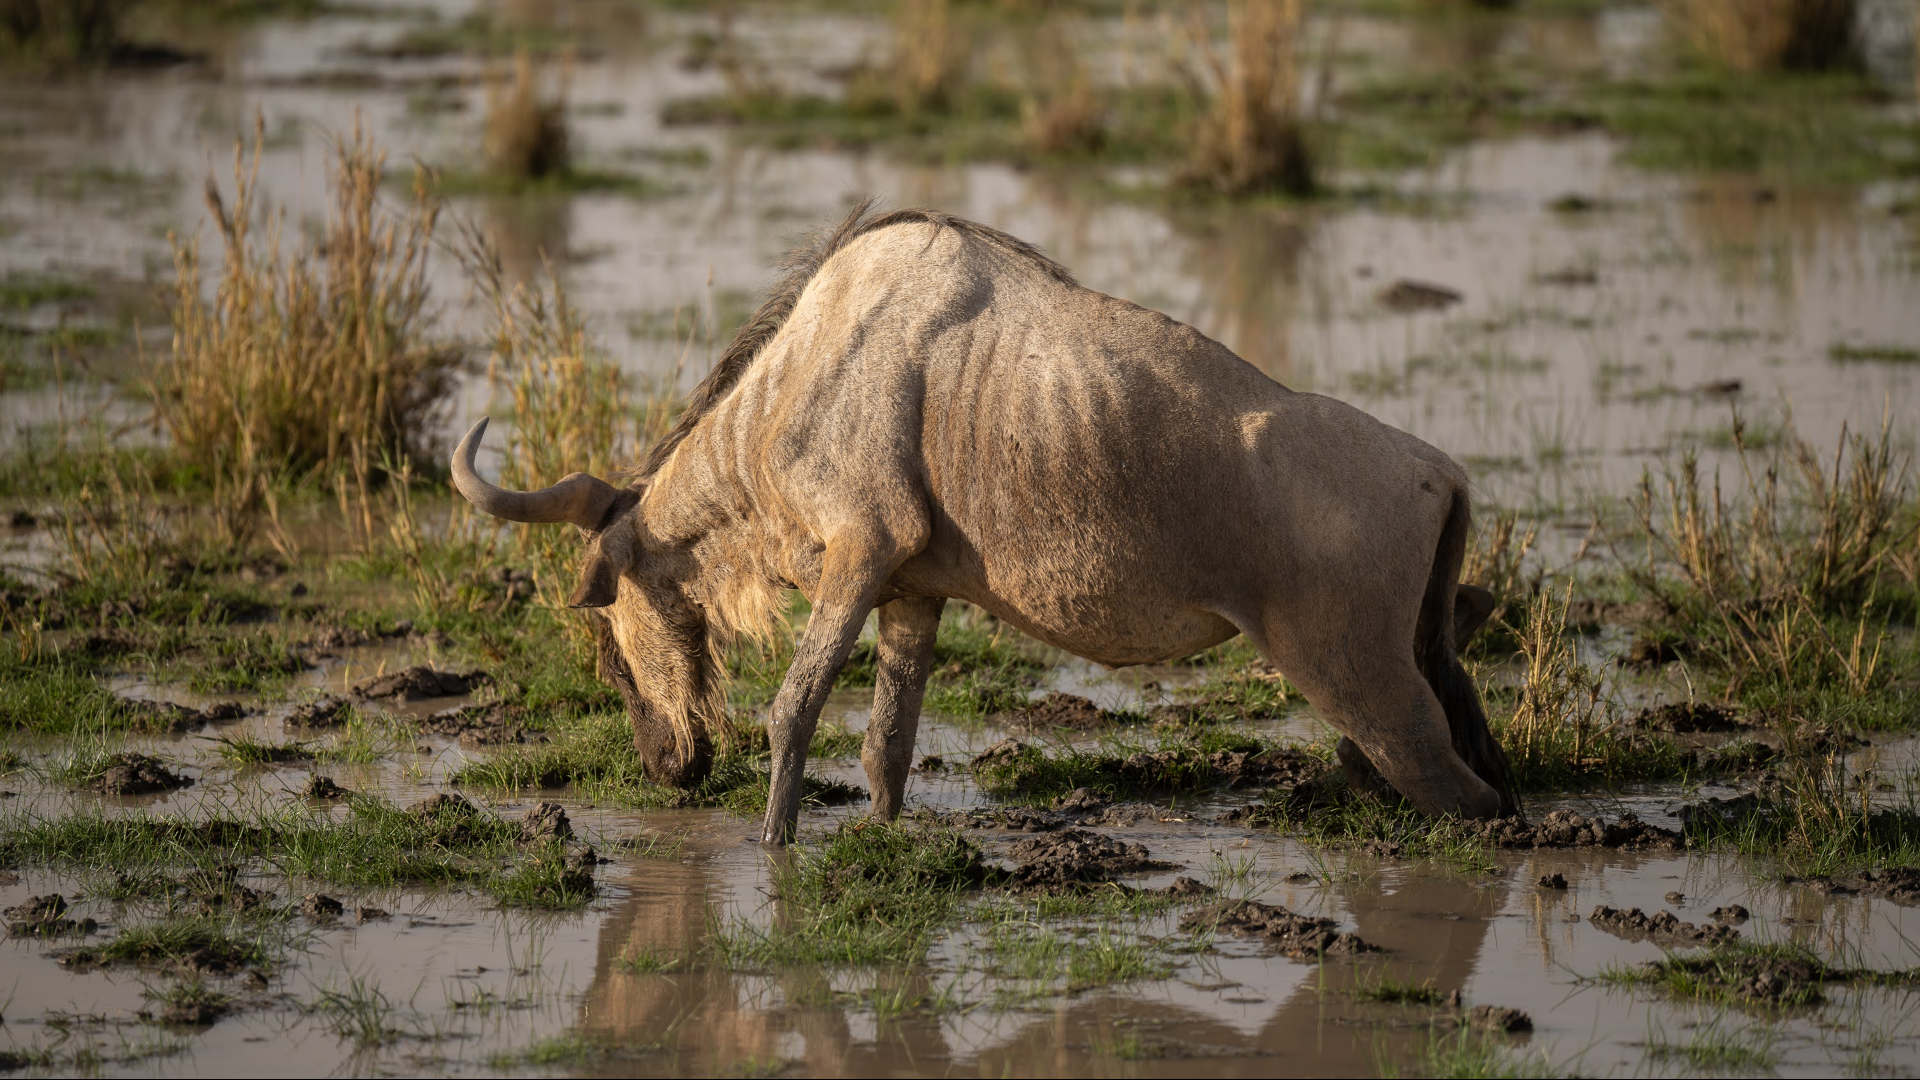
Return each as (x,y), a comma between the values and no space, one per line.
(797,269)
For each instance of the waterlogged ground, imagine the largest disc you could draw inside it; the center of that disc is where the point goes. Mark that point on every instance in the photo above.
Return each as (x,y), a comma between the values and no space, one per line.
(1584,318)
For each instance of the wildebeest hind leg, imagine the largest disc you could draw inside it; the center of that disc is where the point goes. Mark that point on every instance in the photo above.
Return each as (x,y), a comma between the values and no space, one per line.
(1394,719)
(908,628)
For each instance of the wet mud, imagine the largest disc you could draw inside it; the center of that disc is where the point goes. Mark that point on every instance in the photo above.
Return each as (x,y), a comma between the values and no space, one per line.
(136,774)
(1298,936)
(1664,928)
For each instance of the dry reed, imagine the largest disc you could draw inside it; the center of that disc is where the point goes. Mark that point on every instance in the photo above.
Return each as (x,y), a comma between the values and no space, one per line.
(318,366)
(1766,35)
(1252,137)
(526,133)
(930,54)
(1060,112)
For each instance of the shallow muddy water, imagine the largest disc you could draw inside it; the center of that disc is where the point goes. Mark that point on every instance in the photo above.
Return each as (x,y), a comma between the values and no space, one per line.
(1584,344)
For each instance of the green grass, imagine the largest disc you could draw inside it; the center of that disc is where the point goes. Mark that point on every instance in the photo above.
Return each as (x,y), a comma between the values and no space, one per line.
(870,894)
(20,291)
(213,943)
(1388,990)
(1469,1054)
(594,755)
(1887,353)
(376,845)
(1712,1048)
(461,182)
(1046,961)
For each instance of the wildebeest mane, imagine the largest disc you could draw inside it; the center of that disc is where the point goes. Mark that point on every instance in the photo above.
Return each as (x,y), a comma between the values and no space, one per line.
(796,270)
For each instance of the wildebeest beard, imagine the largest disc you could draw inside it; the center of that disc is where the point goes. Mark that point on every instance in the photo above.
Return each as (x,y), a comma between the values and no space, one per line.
(659,657)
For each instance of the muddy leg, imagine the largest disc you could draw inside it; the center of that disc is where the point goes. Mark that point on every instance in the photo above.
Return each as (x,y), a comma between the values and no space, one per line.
(1397,723)
(907,631)
(848,584)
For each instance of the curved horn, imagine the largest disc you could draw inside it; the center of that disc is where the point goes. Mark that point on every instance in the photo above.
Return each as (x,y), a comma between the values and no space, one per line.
(577,498)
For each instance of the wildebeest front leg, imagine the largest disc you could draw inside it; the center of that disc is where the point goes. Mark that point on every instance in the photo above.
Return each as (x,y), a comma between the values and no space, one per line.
(907,631)
(840,609)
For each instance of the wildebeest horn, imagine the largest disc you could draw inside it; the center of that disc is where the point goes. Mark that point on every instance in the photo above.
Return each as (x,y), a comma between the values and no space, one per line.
(578,497)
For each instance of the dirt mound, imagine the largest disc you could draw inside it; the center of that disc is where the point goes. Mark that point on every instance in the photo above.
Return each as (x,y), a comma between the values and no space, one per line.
(493,724)
(1898,884)
(1072,857)
(1499,1018)
(1056,710)
(45,916)
(136,774)
(320,907)
(1665,928)
(1692,717)
(419,683)
(545,821)
(1408,295)
(174,719)
(328,638)
(1298,936)
(323,787)
(1565,829)
(1010,765)
(328,712)
(1730,914)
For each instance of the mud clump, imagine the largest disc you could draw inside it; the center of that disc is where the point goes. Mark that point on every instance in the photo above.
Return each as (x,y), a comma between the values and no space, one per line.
(1898,884)
(1690,718)
(323,787)
(1729,915)
(545,822)
(174,719)
(1297,936)
(453,820)
(1012,766)
(1567,829)
(320,907)
(328,712)
(493,724)
(1499,1018)
(1186,888)
(419,683)
(1553,881)
(198,1010)
(136,774)
(45,916)
(1074,857)
(1069,711)
(1665,927)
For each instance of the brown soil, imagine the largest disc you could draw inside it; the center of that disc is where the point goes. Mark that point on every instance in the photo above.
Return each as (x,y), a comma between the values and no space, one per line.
(1690,717)
(1499,1018)
(323,787)
(1565,828)
(546,821)
(1074,857)
(1069,711)
(493,724)
(1898,884)
(45,916)
(199,1011)
(1666,927)
(320,907)
(137,774)
(1409,295)
(175,719)
(1298,936)
(419,682)
(328,712)
(1730,914)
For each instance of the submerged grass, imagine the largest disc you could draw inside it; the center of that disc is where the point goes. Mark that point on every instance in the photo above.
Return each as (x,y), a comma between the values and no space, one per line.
(1776,975)
(872,894)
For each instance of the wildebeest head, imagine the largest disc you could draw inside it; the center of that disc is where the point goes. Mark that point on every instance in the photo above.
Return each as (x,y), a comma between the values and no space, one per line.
(652,637)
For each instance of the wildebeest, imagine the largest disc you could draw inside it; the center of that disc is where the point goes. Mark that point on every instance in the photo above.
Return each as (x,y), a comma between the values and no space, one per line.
(929,409)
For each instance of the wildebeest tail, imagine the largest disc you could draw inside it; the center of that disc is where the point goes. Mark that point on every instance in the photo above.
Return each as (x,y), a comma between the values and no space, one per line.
(1440,661)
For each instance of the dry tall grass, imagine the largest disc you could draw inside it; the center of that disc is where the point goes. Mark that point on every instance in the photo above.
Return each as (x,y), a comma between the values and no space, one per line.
(1060,111)
(930,54)
(1766,35)
(1818,539)
(319,365)
(1252,137)
(1562,719)
(526,133)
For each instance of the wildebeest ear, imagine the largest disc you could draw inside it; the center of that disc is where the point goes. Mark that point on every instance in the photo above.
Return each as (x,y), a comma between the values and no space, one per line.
(608,556)
(1471,606)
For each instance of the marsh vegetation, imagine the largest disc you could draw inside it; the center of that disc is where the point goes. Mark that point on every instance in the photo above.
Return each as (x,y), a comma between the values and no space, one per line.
(295,743)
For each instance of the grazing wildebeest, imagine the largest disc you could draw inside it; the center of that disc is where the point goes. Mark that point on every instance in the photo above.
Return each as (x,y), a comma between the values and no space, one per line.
(927,408)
